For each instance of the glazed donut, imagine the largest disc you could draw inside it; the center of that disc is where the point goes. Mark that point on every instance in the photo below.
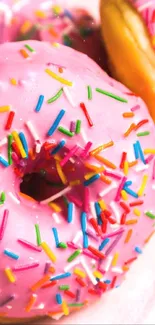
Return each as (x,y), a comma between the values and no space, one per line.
(77,181)
(130,47)
(51,21)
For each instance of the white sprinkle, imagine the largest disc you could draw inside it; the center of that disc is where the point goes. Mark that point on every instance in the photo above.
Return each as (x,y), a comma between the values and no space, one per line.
(117,270)
(141,167)
(6,13)
(153,186)
(18,5)
(45,5)
(108,263)
(38,147)
(41,306)
(115,210)
(56,218)
(69,97)
(3,142)
(92,210)
(145,6)
(84,137)
(88,271)
(56,196)
(13,197)
(71,265)
(77,237)
(32,130)
(108,189)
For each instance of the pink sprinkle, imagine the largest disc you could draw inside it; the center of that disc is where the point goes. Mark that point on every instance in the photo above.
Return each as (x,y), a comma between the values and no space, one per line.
(90,255)
(101,270)
(25,267)
(86,199)
(72,126)
(4,223)
(116,176)
(86,150)
(117,198)
(134,108)
(47,266)
(153,174)
(29,245)
(69,155)
(72,245)
(15,157)
(74,200)
(148,159)
(112,234)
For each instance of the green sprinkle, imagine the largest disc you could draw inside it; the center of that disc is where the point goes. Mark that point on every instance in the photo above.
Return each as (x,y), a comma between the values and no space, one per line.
(76,305)
(78,127)
(3,197)
(143,134)
(150,215)
(104,92)
(67,41)
(89,92)
(28,47)
(65,201)
(38,236)
(10,137)
(65,131)
(62,245)
(74,255)
(64,287)
(28,35)
(54,98)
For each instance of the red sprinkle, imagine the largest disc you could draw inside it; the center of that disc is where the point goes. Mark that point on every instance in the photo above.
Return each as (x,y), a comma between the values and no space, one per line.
(104,226)
(113,282)
(125,206)
(102,285)
(51,284)
(123,218)
(142,122)
(135,203)
(96,252)
(15,149)
(95,226)
(93,292)
(9,120)
(82,105)
(69,293)
(123,159)
(130,260)
(81,282)
(4,223)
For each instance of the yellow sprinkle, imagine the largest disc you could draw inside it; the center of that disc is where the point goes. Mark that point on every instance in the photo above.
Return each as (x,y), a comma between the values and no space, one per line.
(124,195)
(31,302)
(74,183)
(13,82)
(79,272)
(19,144)
(57,10)
(40,14)
(143,185)
(56,44)
(125,268)
(4,109)
(65,308)
(10,275)
(149,151)
(25,27)
(55,207)
(115,259)
(48,252)
(102,204)
(126,168)
(89,175)
(98,274)
(137,212)
(58,78)
(61,173)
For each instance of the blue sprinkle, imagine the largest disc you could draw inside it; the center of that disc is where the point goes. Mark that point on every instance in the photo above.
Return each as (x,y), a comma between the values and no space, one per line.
(98,213)
(58,299)
(136,151)
(58,147)
(138,250)
(84,221)
(104,243)
(92,180)
(107,281)
(56,123)
(140,152)
(85,240)
(11,254)
(130,192)
(68,14)
(39,104)
(70,212)
(4,162)
(24,142)
(60,276)
(128,183)
(55,233)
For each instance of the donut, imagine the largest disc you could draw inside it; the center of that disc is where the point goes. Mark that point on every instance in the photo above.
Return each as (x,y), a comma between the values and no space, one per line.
(77,174)
(52,21)
(130,46)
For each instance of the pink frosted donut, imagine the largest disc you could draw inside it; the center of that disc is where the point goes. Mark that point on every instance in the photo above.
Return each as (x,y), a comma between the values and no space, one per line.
(77,174)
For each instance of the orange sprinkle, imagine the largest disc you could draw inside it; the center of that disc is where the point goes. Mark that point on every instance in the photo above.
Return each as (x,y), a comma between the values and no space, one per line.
(133,163)
(105,179)
(81,282)
(125,268)
(32,154)
(129,130)
(128,114)
(3,314)
(31,302)
(24,54)
(53,32)
(94,168)
(41,282)
(51,270)
(128,236)
(61,70)
(100,148)
(26,27)
(131,222)
(26,197)
(105,162)
(149,237)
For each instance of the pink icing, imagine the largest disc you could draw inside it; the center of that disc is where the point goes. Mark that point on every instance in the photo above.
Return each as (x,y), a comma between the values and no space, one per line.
(108,125)
(147,10)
